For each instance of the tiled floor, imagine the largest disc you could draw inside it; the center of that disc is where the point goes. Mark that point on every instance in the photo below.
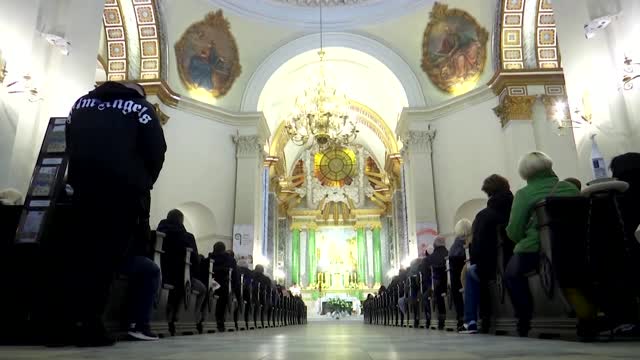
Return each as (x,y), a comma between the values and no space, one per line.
(337,340)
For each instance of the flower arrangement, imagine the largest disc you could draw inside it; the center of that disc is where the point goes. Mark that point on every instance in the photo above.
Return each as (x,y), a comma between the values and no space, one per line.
(339,305)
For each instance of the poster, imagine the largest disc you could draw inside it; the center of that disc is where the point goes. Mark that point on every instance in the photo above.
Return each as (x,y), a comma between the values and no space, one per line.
(243,245)
(30,226)
(56,141)
(425,234)
(44,181)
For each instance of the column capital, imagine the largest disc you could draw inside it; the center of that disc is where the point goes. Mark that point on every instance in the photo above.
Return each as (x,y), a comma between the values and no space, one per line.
(556,106)
(248,146)
(513,108)
(419,141)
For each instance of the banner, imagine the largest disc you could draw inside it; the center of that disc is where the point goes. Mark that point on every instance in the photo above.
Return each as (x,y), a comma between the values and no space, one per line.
(243,245)
(425,233)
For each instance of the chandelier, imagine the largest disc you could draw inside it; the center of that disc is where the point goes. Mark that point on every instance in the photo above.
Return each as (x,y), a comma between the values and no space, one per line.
(321,114)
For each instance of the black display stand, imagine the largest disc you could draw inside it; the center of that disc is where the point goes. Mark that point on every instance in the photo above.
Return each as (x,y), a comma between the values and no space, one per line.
(47,182)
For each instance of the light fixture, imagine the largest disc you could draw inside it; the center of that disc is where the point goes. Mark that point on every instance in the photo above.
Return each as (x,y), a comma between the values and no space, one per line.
(321,114)
(23,85)
(558,111)
(632,72)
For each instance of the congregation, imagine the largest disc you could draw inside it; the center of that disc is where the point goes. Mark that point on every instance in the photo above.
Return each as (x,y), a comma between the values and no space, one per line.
(589,258)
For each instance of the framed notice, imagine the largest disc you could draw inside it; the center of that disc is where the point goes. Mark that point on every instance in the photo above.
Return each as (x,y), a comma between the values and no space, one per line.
(46,183)
(55,141)
(30,226)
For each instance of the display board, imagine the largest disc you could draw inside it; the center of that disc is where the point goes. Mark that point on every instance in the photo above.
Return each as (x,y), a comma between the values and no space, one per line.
(46,183)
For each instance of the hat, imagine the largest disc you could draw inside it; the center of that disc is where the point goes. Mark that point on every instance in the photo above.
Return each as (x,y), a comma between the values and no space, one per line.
(440,241)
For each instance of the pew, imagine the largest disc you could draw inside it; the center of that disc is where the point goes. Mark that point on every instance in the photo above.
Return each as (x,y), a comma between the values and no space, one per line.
(183,307)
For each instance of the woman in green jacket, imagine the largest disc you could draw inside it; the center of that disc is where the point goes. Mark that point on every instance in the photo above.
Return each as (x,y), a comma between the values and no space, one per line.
(536,168)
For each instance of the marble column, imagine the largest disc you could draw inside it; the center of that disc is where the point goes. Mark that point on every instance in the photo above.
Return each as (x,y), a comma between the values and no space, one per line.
(362,255)
(295,256)
(249,198)
(311,256)
(418,185)
(515,113)
(377,258)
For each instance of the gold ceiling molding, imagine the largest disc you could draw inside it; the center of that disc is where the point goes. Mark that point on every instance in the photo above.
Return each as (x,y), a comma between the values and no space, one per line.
(148,34)
(547,51)
(514,108)
(511,37)
(120,51)
(528,21)
(115,32)
(509,78)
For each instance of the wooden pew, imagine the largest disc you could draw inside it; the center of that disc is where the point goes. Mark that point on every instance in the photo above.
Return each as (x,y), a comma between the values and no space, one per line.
(209,325)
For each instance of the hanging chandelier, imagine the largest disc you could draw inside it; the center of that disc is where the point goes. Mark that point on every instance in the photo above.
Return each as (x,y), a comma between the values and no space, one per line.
(321,114)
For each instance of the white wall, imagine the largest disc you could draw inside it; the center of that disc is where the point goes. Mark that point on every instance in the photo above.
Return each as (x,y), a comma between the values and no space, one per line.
(60,79)
(469,147)
(594,67)
(199,168)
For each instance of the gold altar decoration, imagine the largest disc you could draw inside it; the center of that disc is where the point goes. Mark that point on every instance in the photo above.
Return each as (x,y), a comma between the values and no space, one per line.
(335,167)
(207,56)
(454,49)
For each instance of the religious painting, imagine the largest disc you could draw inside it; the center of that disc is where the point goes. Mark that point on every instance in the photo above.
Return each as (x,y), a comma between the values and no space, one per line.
(207,56)
(454,49)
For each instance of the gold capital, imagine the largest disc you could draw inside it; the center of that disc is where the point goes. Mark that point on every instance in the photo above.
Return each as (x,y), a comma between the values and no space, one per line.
(515,108)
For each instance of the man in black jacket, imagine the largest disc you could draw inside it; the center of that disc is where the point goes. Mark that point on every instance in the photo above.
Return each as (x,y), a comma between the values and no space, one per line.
(116,151)
(437,261)
(222,263)
(484,252)
(175,245)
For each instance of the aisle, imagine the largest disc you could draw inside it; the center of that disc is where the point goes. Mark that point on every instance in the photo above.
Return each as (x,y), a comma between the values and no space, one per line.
(328,340)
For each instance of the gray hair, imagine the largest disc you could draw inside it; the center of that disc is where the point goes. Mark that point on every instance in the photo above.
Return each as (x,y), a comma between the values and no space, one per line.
(534,163)
(463,228)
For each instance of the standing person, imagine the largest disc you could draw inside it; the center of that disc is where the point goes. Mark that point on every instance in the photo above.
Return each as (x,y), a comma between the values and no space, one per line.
(483,252)
(116,151)
(536,168)
(222,263)
(438,264)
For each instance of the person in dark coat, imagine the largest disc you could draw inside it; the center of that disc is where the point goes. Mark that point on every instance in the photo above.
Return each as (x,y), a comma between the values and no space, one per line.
(222,263)
(116,151)
(483,251)
(437,261)
(175,245)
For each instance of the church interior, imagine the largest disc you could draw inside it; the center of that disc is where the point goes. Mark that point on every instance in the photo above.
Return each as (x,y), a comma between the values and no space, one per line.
(336,144)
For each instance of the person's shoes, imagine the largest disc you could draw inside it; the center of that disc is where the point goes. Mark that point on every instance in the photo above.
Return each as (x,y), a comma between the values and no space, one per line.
(172,328)
(471,328)
(143,333)
(94,335)
(200,328)
(625,330)
(440,324)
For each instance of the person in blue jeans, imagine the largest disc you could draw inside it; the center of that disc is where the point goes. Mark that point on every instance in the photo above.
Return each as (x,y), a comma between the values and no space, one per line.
(144,282)
(483,252)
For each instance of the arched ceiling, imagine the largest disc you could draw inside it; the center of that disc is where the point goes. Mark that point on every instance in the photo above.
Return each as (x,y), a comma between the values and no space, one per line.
(359,76)
(339,14)
(362,78)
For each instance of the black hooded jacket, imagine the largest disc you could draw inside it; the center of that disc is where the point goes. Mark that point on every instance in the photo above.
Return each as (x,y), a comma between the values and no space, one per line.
(114,139)
(177,240)
(484,244)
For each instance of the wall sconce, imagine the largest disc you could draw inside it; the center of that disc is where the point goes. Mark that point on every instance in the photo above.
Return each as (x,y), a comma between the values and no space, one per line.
(631,73)
(558,111)
(23,86)
(3,70)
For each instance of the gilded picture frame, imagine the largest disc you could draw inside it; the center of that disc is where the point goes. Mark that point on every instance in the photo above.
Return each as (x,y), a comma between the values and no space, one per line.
(454,49)
(207,56)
